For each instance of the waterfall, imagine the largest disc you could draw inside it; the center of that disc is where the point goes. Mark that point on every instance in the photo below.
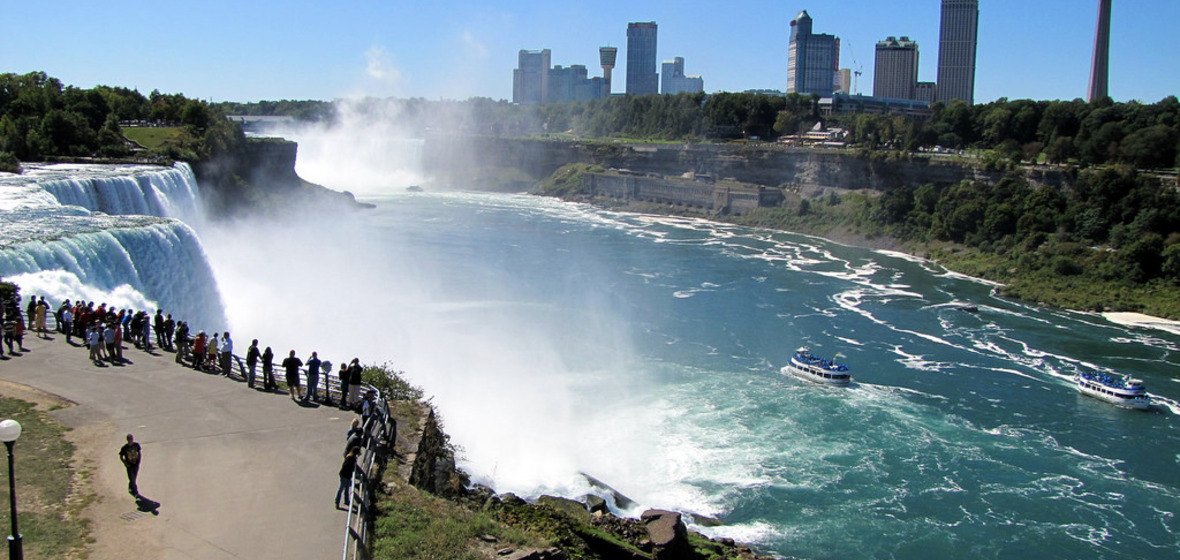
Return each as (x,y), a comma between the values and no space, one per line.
(124,190)
(120,234)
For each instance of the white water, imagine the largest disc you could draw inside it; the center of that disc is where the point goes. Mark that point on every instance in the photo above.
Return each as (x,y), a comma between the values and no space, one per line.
(643,350)
(109,234)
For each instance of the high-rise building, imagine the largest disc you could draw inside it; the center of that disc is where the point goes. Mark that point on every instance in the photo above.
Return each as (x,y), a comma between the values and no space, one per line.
(956,50)
(530,80)
(606,57)
(812,58)
(895,70)
(844,80)
(925,91)
(641,59)
(673,80)
(1099,69)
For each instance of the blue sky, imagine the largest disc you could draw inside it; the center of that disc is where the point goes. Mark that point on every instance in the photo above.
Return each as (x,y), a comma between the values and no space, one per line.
(246,51)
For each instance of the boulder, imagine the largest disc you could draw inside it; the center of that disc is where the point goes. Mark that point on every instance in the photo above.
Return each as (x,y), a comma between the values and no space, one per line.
(595,504)
(571,508)
(668,534)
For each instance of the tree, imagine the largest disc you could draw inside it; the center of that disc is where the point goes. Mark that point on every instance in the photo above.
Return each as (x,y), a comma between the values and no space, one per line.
(1150,148)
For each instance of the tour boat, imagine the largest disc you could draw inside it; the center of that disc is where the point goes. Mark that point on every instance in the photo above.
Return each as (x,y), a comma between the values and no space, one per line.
(1128,392)
(807,366)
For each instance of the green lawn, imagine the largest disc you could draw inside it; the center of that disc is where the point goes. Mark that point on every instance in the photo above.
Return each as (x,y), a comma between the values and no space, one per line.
(152,137)
(49,519)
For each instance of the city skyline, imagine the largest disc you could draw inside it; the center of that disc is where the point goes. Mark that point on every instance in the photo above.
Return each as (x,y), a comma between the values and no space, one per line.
(224,51)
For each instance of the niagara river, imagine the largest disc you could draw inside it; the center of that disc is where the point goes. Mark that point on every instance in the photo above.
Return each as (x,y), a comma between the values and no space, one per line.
(557,339)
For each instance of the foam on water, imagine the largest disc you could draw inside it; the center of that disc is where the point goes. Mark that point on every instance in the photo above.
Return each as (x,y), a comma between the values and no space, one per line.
(109,233)
(554,341)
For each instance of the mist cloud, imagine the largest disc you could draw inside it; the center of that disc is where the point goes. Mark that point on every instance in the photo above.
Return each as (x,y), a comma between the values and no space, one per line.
(379,65)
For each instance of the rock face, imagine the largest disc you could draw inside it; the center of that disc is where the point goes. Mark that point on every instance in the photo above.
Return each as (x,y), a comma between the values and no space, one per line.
(479,162)
(260,177)
(434,467)
(668,534)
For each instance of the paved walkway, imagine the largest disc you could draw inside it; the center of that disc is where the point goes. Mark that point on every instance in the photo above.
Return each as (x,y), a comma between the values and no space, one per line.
(238,473)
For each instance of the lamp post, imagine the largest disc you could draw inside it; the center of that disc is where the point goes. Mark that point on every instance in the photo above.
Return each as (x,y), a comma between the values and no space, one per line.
(9,431)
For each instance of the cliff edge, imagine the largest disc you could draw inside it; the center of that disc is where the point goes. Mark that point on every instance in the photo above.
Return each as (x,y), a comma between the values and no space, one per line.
(260,178)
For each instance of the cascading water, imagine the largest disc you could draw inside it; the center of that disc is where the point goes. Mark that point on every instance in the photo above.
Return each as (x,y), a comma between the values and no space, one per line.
(109,234)
(555,338)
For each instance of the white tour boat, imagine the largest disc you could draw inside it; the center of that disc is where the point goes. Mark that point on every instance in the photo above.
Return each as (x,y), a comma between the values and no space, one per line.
(819,370)
(1128,392)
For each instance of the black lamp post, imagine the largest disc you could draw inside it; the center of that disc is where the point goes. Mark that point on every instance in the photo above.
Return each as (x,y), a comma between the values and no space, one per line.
(9,431)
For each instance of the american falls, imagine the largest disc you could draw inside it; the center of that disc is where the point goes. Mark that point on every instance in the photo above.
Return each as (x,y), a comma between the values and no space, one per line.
(116,234)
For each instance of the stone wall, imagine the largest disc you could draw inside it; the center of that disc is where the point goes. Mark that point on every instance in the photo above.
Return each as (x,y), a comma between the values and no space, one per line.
(707,197)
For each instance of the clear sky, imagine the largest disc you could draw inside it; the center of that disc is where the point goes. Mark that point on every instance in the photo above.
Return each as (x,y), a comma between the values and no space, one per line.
(247,50)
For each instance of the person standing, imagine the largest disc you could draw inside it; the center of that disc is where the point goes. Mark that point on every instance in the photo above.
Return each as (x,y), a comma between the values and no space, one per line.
(227,355)
(10,329)
(39,321)
(343,377)
(346,471)
(211,352)
(32,309)
(355,378)
(159,326)
(181,341)
(146,335)
(130,454)
(268,370)
(67,324)
(313,377)
(199,350)
(94,339)
(251,362)
(169,329)
(108,338)
(292,365)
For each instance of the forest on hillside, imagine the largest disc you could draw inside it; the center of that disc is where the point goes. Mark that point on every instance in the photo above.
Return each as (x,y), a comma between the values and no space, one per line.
(1111,239)
(1146,136)
(42,118)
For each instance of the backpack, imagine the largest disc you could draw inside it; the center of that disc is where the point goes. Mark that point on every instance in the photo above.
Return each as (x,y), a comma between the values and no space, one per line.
(132,455)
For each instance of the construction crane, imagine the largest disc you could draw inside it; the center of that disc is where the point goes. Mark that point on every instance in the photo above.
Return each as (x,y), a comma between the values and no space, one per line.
(857,69)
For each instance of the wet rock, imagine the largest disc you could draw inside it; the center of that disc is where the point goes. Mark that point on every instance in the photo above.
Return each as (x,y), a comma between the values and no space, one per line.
(668,534)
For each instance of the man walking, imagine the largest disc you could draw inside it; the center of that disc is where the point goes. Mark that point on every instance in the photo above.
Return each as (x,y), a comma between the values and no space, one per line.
(130,455)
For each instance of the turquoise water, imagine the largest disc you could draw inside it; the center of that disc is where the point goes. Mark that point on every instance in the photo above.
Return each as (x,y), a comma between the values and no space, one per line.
(645,351)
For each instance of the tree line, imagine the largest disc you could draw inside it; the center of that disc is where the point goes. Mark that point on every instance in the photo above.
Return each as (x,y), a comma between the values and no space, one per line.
(40,117)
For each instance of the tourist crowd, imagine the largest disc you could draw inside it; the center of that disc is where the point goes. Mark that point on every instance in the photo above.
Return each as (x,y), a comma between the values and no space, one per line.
(106,331)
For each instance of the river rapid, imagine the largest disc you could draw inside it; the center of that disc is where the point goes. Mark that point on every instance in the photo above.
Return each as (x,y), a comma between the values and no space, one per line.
(557,339)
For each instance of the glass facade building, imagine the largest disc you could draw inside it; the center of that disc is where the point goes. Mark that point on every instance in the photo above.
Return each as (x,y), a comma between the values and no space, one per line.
(956,50)
(642,78)
(812,59)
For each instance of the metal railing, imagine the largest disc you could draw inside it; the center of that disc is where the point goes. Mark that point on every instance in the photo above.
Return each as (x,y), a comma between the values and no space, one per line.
(380,432)
(378,440)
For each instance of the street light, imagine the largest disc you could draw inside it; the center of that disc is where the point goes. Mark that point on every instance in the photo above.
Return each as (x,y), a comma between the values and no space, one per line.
(9,431)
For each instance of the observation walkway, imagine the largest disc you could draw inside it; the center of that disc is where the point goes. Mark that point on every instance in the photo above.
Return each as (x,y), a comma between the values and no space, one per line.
(237,472)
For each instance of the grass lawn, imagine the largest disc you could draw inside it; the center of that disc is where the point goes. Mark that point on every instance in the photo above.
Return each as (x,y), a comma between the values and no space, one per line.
(49,512)
(151,137)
